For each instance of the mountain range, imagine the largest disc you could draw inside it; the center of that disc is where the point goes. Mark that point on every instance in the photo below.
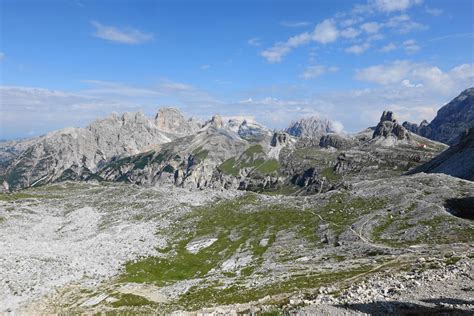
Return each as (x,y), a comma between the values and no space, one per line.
(311,155)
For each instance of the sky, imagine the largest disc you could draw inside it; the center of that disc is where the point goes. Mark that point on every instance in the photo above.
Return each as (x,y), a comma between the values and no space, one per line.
(67,62)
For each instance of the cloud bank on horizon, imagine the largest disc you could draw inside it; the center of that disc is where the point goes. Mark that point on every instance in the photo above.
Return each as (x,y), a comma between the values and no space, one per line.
(344,60)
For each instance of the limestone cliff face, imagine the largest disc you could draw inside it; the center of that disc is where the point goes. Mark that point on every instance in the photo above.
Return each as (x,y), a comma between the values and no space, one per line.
(171,120)
(76,153)
(451,120)
(457,161)
(312,127)
(238,154)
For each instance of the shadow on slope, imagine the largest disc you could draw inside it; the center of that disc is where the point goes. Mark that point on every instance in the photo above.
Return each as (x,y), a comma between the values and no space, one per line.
(410,309)
(461,207)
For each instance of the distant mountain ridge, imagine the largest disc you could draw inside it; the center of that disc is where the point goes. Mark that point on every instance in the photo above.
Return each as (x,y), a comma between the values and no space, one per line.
(451,120)
(312,127)
(310,155)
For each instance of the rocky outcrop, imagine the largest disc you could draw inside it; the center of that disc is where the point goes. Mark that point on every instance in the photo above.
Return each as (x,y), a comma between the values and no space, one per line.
(422,129)
(457,161)
(312,127)
(215,121)
(280,139)
(389,127)
(252,131)
(76,153)
(171,120)
(337,141)
(451,120)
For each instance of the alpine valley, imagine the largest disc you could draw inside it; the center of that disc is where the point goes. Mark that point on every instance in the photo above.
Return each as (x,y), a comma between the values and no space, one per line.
(183,216)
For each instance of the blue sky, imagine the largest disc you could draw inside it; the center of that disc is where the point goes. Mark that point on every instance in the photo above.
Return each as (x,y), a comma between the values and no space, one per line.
(64,63)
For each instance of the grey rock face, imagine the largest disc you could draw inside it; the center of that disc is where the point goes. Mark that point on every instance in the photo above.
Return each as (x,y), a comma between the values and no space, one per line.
(337,141)
(171,120)
(127,134)
(216,122)
(457,161)
(388,127)
(189,162)
(76,153)
(252,131)
(280,139)
(312,127)
(421,129)
(451,120)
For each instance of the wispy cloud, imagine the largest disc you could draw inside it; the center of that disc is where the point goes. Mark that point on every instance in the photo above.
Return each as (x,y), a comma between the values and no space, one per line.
(316,71)
(2,56)
(411,46)
(294,23)
(371,27)
(394,5)
(388,48)
(324,33)
(433,11)
(121,35)
(205,67)
(254,41)
(353,27)
(404,24)
(397,72)
(450,36)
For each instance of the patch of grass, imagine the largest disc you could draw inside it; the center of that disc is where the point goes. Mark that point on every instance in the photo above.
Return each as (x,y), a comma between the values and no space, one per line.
(235,226)
(198,297)
(9,197)
(268,167)
(228,167)
(343,209)
(250,158)
(131,300)
(452,260)
(200,154)
(252,150)
(329,174)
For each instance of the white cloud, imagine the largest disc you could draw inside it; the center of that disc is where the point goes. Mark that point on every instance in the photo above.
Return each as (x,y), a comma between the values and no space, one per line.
(279,50)
(411,46)
(350,32)
(407,83)
(276,53)
(371,27)
(388,48)
(255,41)
(121,35)
(404,24)
(325,32)
(205,67)
(294,23)
(433,11)
(2,56)
(385,74)
(430,77)
(358,48)
(394,5)
(316,71)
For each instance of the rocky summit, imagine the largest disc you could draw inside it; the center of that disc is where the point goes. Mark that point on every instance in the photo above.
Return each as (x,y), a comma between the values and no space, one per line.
(182,216)
(312,127)
(451,120)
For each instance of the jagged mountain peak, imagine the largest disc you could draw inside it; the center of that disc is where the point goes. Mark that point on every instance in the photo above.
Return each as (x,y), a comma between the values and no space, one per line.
(389,127)
(313,127)
(171,120)
(451,120)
